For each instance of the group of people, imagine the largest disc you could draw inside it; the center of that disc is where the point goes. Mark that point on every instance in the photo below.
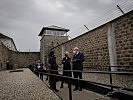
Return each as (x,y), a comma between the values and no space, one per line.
(77,67)
(38,67)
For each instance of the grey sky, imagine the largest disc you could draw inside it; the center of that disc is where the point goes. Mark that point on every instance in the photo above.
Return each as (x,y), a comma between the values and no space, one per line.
(23,19)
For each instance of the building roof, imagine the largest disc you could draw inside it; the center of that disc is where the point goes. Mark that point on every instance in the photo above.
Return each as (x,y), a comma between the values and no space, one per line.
(53,28)
(2,36)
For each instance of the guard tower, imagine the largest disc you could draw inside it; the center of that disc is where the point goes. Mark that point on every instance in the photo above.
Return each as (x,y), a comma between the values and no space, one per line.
(51,36)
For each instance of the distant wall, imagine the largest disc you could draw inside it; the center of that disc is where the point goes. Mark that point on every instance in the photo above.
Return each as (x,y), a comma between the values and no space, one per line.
(24,59)
(16,59)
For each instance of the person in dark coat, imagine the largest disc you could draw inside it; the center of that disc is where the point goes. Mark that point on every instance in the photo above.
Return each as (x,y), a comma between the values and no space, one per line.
(52,66)
(39,68)
(78,59)
(66,66)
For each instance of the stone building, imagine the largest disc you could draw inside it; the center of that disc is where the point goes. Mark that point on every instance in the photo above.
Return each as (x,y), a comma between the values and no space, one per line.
(8,42)
(51,36)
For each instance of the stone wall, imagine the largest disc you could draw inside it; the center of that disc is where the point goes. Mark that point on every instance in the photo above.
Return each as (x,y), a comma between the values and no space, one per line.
(93,44)
(96,44)
(16,59)
(24,59)
(123,28)
(109,44)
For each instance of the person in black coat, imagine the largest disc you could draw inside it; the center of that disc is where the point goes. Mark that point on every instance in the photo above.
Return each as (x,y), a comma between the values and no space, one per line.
(41,69)
(52,66)
(66,66)
(78,59)
(38,69)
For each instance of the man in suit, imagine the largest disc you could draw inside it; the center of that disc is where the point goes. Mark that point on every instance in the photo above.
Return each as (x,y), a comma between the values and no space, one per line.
(78,59)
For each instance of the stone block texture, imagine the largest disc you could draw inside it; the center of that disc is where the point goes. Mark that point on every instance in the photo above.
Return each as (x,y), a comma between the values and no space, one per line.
(124,39)
(48,42)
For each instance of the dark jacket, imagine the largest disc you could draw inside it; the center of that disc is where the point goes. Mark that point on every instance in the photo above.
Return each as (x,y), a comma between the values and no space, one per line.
(41,67)
(66,66)
(52,62)
(66,63)
(53,65)
(78,60)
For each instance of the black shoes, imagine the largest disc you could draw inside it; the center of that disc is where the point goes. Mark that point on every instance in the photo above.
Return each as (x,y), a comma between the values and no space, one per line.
(56,90)
(80,89)
(61,86)
(76,88)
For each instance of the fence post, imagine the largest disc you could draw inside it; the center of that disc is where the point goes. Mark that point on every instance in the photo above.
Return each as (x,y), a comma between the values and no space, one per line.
(110,77)
(70,90)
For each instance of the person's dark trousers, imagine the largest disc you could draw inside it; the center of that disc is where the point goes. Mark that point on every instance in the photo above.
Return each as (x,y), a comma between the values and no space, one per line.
(78,83)
(63,79)
(47,72)
(37,73)
(62,82)
(52,81)
(75,74)
(41,76)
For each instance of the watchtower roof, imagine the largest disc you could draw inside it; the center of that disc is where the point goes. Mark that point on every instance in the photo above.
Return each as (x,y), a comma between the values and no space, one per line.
(53,27)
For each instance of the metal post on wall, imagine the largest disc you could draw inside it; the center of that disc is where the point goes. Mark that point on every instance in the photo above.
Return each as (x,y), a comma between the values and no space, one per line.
(110,77)
(120,9)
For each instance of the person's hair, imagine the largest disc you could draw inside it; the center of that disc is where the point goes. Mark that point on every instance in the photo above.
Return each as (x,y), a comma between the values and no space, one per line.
(76,48)
(51,53)
(67,52)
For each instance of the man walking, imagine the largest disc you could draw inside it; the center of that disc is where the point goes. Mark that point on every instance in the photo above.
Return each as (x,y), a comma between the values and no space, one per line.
(78,59)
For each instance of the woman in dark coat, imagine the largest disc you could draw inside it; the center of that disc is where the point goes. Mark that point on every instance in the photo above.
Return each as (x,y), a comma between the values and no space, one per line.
(66,66)
(52,66)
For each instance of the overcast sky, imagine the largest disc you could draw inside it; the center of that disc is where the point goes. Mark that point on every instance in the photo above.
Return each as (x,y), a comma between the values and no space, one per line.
(23,19)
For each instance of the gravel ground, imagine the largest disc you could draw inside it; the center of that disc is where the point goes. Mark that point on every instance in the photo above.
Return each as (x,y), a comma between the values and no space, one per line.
(24,86)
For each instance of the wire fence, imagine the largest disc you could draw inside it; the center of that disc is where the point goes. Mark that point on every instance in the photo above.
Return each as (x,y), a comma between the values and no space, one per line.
(110,14)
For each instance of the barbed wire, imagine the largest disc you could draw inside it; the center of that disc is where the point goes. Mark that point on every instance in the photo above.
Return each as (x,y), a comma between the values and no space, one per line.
(110,14)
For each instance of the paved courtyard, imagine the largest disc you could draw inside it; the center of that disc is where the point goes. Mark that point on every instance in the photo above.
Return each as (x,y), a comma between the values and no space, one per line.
(27,86)
(24,86)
